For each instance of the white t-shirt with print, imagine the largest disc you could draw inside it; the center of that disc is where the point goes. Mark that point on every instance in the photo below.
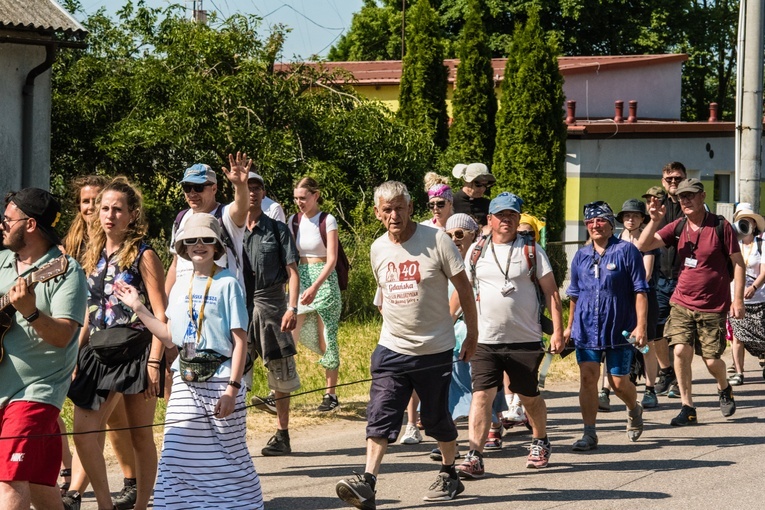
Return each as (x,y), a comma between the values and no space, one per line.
(183,267)
(308,239)
(414,279)
(513,318)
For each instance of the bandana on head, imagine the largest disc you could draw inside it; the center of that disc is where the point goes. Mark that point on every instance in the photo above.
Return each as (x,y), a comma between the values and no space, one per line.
(599,209)
(441,191)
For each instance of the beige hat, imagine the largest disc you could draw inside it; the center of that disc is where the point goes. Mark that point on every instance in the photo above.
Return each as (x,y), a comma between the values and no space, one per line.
(469,173)
(744,210)
(199,225)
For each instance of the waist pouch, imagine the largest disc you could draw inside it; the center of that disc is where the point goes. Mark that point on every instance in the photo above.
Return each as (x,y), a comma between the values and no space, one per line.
(119,344)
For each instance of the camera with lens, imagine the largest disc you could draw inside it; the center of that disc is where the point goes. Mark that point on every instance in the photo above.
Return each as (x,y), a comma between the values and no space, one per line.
(742,227)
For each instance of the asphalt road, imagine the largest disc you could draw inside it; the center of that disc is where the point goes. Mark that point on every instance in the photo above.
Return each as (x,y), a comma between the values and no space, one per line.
(717,464)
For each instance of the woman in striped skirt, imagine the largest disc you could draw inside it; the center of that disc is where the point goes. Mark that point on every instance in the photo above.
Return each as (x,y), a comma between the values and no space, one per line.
(205,462)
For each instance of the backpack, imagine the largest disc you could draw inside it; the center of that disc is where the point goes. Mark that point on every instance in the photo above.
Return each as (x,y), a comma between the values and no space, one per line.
(720,229)
(342,265)
(224,235)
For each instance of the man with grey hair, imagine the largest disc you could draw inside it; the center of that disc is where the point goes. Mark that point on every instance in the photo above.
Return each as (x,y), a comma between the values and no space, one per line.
(413,266)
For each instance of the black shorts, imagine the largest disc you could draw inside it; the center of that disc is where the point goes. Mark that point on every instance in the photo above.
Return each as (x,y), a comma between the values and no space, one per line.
(392,385)
(520,361)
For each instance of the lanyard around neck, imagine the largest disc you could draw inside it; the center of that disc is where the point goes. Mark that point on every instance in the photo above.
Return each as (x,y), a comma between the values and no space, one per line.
(506,272)
(204,300)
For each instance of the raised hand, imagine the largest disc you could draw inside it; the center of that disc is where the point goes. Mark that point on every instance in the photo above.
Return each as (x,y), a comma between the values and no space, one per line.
(239,167)
(127,294)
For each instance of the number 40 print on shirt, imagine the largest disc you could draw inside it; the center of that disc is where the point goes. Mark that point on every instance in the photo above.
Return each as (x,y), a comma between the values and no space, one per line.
(402,283)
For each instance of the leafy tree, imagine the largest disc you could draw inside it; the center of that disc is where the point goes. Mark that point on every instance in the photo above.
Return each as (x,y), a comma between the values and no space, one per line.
(474,106)
(531,133)
(422,96)
(375,34)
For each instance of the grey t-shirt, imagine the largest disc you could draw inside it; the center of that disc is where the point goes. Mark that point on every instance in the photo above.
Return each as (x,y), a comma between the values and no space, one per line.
(414,278)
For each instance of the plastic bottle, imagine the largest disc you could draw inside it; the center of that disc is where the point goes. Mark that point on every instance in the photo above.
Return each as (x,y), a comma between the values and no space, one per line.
(632,340)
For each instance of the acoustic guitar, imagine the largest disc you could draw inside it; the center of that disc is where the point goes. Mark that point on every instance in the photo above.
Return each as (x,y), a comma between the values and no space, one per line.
(52,269)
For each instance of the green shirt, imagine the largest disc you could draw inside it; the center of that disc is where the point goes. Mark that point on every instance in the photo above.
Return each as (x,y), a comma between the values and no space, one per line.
(33,370)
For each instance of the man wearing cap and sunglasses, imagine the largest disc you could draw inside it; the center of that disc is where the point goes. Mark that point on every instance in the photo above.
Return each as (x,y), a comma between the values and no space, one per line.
(39,349)
(705,244)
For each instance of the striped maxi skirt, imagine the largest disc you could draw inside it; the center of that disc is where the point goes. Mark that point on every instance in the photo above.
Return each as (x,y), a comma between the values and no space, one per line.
(205,462)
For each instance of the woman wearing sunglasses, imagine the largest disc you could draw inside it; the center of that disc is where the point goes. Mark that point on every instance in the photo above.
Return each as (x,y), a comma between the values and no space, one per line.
(205,461)
(117,253)
(471,198)
(440,200)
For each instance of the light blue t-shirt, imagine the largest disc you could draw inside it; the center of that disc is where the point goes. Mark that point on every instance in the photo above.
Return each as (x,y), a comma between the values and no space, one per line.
(224,310)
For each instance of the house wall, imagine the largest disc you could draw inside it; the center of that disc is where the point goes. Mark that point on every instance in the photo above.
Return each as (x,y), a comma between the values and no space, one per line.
(656,88)
(15,63)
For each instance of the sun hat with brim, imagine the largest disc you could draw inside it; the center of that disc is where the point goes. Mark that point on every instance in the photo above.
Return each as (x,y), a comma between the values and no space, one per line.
(744,210)
(43,207)
(199,174)
(475,170)
(655,191)
(199,225)
(689,186)
(632,205)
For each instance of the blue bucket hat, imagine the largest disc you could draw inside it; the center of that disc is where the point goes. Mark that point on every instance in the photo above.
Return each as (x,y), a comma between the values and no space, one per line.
(199,173)
(505,201)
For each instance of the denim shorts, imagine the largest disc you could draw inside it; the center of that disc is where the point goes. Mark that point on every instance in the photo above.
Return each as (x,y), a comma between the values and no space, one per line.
(618,359)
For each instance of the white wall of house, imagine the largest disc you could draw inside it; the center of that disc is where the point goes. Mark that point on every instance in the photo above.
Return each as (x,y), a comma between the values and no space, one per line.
(656,88)
(15,63)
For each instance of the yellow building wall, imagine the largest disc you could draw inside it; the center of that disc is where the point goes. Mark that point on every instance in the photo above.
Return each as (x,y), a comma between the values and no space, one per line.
(388,95)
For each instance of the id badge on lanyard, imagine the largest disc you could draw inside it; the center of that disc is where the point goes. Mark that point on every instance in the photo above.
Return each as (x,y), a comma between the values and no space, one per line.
(690,262)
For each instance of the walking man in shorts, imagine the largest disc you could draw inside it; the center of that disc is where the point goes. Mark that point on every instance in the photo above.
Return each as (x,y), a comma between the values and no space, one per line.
(416,341)
(38,351)
(511,334)
(699,306)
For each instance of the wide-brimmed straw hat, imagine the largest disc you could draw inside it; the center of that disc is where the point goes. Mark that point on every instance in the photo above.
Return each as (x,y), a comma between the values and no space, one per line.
(196,226)
(744,210)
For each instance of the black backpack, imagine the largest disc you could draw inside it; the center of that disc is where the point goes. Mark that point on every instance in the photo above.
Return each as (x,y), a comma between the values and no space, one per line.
(720,229)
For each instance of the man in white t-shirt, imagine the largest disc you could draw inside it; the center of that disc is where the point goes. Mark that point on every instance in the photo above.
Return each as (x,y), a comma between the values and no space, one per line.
(199,188)
(272,209)
(413,265)
(510,331)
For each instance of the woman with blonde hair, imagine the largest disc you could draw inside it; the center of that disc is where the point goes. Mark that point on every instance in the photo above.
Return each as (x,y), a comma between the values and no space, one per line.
(440,199)
(118,355)
(319,305)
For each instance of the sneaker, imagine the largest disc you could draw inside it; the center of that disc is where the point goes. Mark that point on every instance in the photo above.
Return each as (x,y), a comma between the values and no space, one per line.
(515,415)
(585,444)
(411,435)
(125,500)
(435,454)
(356,492)
(604,403)
(72,500)
(674,391)
(727,404)
(539,454)
(666,379)
(494,441)
(276,447)
(328,403)
(472,466)
(444,488)
(687,416)
(266,404)
(635,423)
(649,399)
(736,379)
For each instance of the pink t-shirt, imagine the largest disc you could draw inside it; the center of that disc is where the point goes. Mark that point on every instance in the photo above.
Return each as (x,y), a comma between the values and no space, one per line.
(706,287)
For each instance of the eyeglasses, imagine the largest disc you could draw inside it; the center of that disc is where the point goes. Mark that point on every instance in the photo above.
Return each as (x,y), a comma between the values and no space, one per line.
(526,233)
(687,196)
(486,185)
(195,240)
(595,222)
(196,188)
(440,204)
(7,223)
(458,234)
(674,180)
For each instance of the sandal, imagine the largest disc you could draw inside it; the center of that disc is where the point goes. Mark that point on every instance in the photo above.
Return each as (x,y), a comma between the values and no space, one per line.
(586,444)
(64,487)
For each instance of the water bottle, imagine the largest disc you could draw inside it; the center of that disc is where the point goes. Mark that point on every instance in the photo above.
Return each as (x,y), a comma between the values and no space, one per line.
(632,340)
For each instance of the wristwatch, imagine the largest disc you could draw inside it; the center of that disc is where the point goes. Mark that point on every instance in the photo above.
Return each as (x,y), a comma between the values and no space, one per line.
(292,309)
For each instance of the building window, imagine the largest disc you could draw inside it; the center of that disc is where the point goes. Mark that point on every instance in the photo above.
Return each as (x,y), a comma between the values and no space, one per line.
(724,189)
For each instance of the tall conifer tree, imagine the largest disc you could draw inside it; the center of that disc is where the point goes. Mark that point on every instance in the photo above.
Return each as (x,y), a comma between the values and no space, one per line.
(422,97)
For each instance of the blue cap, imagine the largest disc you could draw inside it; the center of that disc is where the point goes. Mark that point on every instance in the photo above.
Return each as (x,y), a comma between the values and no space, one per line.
(199,173)
(505,201)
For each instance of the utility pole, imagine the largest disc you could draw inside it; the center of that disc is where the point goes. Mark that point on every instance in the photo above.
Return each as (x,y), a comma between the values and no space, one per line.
(403,28)
(749,119)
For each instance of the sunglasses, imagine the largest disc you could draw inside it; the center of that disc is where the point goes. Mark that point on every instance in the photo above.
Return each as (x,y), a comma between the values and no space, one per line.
(440,204)
(595,222)
(486,185)
(674,180)
(8,223)
(687,196)
(458,234)
(196,188)
(204,240)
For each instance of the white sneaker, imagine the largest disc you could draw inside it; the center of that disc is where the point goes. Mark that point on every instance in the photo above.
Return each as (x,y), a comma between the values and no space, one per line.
(411,435)
(515,415)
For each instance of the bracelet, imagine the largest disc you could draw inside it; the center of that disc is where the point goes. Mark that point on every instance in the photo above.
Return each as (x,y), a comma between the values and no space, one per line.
(235,384)
(153,366)
(155,363)
(293,309)
(33,316)
(154,360)
(754,286)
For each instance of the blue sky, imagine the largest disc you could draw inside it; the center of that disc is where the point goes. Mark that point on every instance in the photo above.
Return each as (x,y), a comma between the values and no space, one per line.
(316,24)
